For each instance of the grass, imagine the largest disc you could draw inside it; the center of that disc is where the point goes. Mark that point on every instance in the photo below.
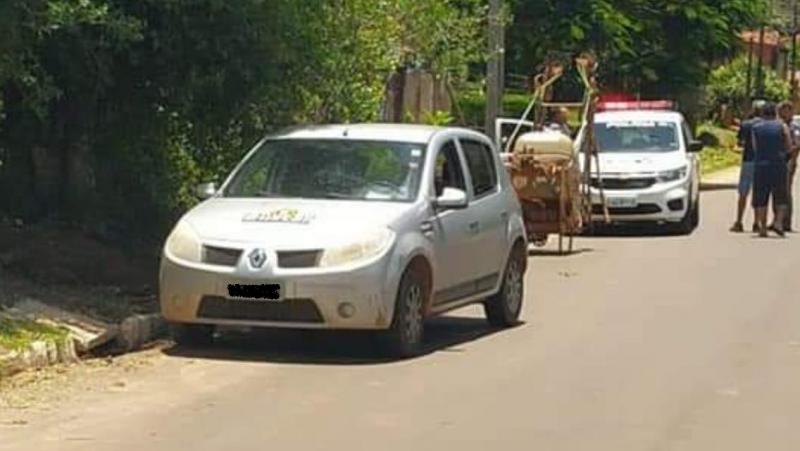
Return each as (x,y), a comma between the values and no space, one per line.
(16,334)
(721,153)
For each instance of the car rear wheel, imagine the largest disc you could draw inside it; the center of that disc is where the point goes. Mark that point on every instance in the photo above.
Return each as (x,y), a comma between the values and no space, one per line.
(503,309)
(406,333)
(192,334)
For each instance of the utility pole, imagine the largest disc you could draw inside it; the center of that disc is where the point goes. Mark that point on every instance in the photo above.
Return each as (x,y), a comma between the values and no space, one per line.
(760,67)
(794,50)
(749,94)
(495,67)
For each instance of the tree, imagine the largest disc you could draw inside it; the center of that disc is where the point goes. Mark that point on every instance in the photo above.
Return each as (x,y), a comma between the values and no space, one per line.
(111,110)
(655,48)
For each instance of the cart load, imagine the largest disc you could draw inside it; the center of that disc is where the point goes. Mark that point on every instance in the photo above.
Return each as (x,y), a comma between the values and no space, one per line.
(544,163)
(537,159)
(546,176)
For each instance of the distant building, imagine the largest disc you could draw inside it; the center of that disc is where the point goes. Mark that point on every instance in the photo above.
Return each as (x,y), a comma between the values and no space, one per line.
(774,49)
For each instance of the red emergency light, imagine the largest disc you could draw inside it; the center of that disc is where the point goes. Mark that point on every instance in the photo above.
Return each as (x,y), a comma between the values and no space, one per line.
(630,105)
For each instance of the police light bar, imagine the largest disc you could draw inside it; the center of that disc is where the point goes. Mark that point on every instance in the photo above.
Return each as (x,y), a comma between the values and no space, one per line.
(637,105)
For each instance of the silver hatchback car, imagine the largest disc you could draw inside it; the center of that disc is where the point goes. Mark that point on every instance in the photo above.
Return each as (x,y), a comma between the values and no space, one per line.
(350,227)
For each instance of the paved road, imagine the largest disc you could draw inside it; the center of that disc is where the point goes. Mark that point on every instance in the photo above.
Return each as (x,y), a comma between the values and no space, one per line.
(636,343)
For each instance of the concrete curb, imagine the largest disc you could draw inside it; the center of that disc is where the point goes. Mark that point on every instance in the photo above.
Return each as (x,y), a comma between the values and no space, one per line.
(39,354)
(133,333)
(138,330)
(726,178)
(716,186)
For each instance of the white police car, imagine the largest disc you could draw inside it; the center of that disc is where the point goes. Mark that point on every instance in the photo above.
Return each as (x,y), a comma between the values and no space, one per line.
(647,165)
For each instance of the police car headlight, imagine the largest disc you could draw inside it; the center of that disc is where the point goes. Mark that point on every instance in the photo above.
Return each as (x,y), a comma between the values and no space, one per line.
(368,247)
(183,243)
(673,175)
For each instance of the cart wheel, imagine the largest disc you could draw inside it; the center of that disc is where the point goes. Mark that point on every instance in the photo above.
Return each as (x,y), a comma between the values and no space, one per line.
(539,240)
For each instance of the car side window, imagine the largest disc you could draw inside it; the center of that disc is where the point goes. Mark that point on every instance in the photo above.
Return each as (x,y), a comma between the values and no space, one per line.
(480,161)
(448,172)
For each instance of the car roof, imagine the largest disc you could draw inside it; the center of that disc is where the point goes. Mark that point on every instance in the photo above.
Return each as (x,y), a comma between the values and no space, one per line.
(639,115)
(411,133)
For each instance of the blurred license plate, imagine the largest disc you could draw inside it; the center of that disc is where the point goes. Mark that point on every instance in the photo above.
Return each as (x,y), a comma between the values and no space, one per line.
(622,202)
(255,292)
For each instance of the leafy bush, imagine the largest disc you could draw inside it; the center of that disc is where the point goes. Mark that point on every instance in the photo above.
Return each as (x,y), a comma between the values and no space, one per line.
(472,104)
(720,151)
(727,85)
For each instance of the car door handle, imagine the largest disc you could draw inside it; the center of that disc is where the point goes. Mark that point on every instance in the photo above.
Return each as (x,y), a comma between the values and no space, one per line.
(474,227)
(504,216)
(426,228)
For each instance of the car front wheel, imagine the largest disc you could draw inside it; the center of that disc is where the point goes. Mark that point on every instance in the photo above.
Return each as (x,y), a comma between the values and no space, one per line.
(405,335)
(690,221)
(504,308)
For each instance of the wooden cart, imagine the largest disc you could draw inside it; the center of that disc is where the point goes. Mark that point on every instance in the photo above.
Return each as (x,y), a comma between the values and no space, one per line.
(553,187)
(548,187)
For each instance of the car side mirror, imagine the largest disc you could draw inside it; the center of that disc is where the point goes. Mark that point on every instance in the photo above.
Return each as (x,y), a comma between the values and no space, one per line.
(206,190)
(451,199)
(696,146)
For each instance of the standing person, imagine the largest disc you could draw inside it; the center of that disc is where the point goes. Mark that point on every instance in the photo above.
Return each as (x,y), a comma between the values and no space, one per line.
(772,142)
(559,121)
(786,112)
(748,170)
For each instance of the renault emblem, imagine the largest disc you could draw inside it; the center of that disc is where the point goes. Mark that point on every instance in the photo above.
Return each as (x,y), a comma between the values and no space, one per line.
(257,258)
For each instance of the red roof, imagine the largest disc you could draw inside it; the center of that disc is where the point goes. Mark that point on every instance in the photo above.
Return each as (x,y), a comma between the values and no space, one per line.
(771,37)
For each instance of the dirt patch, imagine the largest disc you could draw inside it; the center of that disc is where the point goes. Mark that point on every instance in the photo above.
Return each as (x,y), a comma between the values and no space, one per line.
(106,303)
(51,254)
(69,269)
(47,388)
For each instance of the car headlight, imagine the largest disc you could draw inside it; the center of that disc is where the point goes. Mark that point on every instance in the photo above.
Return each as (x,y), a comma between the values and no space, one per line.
(673,175)
(370,246)
(183,243)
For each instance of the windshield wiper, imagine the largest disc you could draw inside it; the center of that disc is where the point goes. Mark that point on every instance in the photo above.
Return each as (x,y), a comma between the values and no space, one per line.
(341,196)
(270,195)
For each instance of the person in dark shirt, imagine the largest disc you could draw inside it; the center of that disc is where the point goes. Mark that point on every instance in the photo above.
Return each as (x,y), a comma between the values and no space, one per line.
(772,142)
(748,168)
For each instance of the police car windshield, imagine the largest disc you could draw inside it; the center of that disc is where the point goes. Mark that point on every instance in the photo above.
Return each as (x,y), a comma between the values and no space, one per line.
(637,136)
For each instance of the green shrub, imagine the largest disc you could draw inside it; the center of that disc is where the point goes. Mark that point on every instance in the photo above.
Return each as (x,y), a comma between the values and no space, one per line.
(720,151)
(727,85)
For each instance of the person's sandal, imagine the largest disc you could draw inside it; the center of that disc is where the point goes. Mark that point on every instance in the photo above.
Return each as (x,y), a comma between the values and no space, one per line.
(737,228)
(777,231)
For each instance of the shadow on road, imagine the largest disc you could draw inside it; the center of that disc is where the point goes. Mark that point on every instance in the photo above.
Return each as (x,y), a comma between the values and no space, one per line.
(536,252)
(443,334)
(632,231)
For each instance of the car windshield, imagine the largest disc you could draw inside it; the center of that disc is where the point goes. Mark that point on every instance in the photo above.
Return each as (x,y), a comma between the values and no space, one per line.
(331,169)
(637,136)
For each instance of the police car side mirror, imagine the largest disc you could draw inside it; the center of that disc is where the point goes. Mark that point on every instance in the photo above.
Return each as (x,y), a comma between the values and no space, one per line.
(696,146)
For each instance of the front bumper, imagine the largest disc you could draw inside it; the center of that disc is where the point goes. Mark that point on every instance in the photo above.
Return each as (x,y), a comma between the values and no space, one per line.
(312,299)
(662,202)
